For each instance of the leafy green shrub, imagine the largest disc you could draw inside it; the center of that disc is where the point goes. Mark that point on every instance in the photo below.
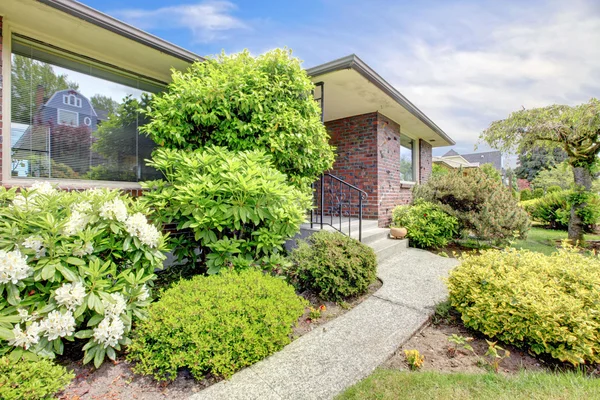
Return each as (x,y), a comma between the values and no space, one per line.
(554,188)
(332,265)
(483,206)
(73,265)
(546,303)
(554,209)
(31,379)
(237,205)
(537,193)
(427,224)
(215,324)
(526,195)
(244,103)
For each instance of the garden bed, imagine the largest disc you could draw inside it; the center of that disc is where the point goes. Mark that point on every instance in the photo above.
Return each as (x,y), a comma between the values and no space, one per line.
(115,380)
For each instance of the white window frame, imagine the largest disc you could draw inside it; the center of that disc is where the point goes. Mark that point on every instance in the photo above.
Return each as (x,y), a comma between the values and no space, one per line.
(415,158)
(59,120)
(7,179)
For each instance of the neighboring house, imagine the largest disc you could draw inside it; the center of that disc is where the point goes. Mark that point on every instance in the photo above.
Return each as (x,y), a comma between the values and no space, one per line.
(384,142)
(486,157)
(454,162)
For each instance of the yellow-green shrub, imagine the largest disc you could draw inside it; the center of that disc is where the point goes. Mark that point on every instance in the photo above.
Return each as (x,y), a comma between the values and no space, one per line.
(31,379)
(550,304)
(215,325)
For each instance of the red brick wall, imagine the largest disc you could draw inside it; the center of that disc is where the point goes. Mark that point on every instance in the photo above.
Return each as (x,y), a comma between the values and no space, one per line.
(391,191)
(355,139)
(425,161)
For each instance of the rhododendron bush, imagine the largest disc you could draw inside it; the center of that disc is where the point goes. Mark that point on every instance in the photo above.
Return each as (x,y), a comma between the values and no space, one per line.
(73,265)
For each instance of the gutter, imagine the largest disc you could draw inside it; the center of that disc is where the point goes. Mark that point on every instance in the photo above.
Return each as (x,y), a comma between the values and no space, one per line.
(109,23)
(353,62)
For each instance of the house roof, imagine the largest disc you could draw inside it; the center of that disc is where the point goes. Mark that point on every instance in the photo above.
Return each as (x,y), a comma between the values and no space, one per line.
(121,28)
(454,161)
(487,157)
(351,87)
(451,153)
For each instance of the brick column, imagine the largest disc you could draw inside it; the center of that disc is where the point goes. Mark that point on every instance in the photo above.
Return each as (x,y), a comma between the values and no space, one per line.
(425,161)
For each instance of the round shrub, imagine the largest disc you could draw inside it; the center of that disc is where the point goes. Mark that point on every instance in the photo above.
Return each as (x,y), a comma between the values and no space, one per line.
(484,207)
(31,380)
(427,224)
(332,265)
(236,204)
(546,303)
(73,265)
(525,195)
(537,193)
(215,324)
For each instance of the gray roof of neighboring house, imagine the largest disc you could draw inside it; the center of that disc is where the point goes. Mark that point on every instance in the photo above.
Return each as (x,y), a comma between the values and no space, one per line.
(451,153)
(487,157)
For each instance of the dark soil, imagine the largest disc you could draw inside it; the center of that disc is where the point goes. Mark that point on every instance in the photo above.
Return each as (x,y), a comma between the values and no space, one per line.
(117,381)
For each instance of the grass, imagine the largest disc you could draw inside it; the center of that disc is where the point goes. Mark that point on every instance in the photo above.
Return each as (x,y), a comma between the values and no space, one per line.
(393,384)
(543,240)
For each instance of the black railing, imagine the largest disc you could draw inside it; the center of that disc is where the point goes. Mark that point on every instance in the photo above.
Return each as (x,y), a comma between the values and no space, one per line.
(335,201)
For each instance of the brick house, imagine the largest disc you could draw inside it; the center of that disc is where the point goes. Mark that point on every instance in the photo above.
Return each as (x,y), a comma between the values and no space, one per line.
(69,52)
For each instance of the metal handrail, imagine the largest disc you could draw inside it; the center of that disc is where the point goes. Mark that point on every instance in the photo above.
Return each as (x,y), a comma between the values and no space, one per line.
(336,204)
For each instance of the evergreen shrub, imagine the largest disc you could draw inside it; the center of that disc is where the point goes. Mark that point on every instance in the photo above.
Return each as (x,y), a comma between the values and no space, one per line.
(427,224)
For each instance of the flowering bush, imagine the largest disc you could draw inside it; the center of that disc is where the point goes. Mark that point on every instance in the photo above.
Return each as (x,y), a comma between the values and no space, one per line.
(73,265)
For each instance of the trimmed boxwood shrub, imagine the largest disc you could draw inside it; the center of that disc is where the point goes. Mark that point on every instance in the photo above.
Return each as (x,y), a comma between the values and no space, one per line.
(332,265)
(31,379)
(215,325)
(427,224)
(546,303)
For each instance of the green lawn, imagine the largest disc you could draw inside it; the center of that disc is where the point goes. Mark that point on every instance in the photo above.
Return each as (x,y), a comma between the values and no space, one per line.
(393,384)
(542,240)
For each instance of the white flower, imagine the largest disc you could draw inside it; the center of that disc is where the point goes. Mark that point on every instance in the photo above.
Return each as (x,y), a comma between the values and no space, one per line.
(70,295)
(83,207)
(115,210)
(57,324)
(144,293)
(43,188)
(115,307)
(83,249)
(13,267)
(76,223)
(24,314)
(26,338)
(35,243)
(109,331)
(137,225)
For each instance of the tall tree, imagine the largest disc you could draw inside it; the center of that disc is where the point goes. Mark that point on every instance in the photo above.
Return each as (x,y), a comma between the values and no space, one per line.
(575,129)
(30,78)
(101,102)
(535,159)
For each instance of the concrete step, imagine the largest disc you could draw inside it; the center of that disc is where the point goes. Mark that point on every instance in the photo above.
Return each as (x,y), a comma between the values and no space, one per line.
(387,248)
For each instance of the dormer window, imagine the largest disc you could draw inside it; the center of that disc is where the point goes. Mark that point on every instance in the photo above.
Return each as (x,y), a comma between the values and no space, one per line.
(72,100)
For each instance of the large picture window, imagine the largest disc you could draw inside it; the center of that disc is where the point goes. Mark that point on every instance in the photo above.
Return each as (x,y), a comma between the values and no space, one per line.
(73,119)
(407,159)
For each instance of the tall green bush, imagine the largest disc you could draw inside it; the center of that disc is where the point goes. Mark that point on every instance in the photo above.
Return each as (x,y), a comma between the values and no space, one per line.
(427,224)
(554,209)
(244,103)
(332,265)
(548,304)
(73,265)
(215,325)
(239,208)
(483,206)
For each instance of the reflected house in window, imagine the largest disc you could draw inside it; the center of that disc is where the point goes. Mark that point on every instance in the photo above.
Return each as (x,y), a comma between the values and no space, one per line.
(58,141)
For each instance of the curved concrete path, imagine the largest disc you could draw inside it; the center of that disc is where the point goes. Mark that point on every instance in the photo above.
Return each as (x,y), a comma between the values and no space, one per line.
(334,356)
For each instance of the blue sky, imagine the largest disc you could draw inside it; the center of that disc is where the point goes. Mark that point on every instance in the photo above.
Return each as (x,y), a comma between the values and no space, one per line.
(464,63)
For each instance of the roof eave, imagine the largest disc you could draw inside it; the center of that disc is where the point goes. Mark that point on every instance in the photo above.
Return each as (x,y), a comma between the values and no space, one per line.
(354,62)
(109,23)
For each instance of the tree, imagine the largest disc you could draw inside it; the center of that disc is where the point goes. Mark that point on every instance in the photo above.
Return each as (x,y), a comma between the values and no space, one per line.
(101,102)
(491,172)
(535,159)
(243,103)
(575,129)
(27,77)
(559,175)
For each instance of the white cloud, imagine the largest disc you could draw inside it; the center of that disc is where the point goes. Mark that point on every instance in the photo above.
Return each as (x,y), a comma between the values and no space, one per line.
(208,20)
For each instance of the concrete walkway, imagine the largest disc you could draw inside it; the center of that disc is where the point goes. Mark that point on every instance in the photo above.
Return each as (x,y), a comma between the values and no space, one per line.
(334,356)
